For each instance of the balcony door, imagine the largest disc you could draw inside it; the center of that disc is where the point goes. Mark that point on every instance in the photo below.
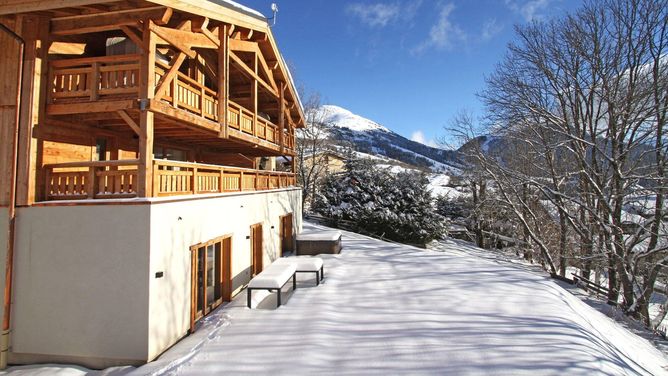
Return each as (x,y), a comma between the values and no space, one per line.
(256,249)
(211,264)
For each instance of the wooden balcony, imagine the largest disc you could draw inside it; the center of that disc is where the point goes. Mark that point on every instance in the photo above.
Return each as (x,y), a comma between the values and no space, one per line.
(111,83)
(118,179)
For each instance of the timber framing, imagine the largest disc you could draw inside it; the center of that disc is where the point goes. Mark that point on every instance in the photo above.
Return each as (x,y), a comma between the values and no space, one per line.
(124,79)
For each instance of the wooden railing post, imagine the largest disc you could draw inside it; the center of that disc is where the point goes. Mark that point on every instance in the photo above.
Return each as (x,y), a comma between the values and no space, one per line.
(94,81)
(202,101)
(195,181)
(221,181)
(156,180)
(90,183)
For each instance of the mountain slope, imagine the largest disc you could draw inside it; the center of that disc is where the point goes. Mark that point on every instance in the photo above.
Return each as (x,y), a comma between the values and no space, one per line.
(350,130)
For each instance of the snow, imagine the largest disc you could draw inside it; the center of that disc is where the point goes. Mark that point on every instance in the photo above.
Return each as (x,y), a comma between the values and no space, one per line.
(342,118)
(387,308)
(239,8)
(273,276)
(439,186)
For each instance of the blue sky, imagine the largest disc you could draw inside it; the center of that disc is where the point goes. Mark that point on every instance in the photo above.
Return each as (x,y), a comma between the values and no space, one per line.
(408,65)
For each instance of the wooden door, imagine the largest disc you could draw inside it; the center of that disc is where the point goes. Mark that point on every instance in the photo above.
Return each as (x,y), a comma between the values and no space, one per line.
(226,268)
(197,285)
(211,273)
(287,234)
(256,249)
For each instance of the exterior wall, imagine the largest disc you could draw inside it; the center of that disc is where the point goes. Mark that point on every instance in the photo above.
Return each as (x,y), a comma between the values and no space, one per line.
(86,289)
(81,284)
(175,226)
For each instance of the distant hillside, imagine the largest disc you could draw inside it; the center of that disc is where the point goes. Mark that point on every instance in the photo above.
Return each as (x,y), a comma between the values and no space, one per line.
(366,136)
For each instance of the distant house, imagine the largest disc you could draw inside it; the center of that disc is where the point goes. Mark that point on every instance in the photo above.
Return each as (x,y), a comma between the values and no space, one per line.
(331,161)
(132,202)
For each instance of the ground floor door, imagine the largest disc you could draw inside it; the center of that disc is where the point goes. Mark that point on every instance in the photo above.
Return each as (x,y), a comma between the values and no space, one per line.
(287,234)
(256,249)
(211,264)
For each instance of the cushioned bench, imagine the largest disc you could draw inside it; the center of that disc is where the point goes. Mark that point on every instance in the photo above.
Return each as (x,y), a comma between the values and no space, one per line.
(274,277)
(305,264)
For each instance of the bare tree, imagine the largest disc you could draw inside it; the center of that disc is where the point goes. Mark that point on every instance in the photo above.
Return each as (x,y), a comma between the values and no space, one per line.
(312,145)
(586,98)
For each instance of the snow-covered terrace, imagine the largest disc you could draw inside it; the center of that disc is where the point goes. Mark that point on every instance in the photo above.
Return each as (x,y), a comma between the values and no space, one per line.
(392,309)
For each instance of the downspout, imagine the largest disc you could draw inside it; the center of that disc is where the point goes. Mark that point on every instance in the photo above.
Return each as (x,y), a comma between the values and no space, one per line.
(9,265)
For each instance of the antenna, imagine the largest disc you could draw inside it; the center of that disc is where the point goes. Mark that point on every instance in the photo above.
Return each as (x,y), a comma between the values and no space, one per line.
(274,11)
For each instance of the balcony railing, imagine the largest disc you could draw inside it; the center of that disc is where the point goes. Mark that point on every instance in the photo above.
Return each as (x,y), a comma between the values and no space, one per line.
(118,179)
(117,77)
(196,98)
(92,79)
(91,180)
(183,178)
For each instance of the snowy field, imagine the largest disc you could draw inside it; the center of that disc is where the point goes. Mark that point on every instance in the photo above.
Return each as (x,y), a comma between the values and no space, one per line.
(394,309)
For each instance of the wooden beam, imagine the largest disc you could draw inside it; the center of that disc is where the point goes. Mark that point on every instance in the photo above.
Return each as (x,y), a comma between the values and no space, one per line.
(273,64)
(134,36)
(254,95)
(186,38)
(91,23)
(166,80)
(177,38)
(223,80)
(247,46)
(250,73)
(82,108)
(146,93)
(199,24)
(129,121)
(25,6)
(242,45)
(281,114)
(185,25)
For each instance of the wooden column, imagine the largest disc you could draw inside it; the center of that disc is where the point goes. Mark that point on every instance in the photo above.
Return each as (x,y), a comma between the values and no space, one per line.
(146,93)
(281,115)
(223,81)
(254,98)
(34,31)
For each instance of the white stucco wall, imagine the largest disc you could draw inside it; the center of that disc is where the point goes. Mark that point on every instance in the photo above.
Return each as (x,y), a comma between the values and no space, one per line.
(85,287)
(175,226)
(81,282)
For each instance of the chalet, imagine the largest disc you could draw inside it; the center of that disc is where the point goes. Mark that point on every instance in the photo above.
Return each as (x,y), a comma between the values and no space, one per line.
(133,200)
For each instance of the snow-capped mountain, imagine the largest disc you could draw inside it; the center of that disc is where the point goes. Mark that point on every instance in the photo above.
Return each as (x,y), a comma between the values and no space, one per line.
(342,118)
(366,136)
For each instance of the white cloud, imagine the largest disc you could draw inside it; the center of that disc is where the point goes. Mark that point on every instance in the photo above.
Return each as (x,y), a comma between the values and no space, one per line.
(418,136)
(489,29)
(444,33)
(375,15)
(529,10)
